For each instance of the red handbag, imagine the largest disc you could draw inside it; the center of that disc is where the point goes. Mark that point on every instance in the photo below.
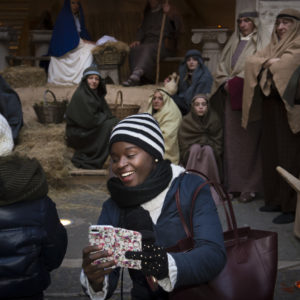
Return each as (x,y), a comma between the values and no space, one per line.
(251,268)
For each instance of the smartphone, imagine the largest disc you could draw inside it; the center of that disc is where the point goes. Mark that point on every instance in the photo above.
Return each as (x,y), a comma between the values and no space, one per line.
(119,240)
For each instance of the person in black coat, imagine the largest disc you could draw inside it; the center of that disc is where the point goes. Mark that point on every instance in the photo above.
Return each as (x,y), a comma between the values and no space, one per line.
(11,108)
(33,241)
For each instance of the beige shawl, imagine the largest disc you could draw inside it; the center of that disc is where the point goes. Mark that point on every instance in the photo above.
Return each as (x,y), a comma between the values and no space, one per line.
(288,50)
(224,71)
(169,118)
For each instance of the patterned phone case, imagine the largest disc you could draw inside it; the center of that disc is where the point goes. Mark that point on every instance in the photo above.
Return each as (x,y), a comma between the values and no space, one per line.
(119,240)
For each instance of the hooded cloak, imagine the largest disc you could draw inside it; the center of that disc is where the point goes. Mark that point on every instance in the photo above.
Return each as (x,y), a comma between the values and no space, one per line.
(65,36)
(278,74)
(89,124)
(168,118)
(200,82)
(202,130)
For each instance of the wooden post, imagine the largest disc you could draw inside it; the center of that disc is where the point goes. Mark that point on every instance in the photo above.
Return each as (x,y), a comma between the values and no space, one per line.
(159,45)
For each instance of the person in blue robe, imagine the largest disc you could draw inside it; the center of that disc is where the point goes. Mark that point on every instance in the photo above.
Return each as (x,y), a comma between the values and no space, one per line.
(194,79)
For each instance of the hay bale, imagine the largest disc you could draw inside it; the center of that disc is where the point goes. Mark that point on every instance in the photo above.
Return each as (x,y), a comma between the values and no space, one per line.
(47,144)
(110,53)
(24,76)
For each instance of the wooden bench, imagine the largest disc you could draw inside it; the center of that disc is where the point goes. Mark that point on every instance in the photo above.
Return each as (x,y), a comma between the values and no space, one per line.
(87,177)
(15,60)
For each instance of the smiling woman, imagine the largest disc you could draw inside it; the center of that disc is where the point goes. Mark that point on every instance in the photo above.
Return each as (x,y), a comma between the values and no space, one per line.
(143,199)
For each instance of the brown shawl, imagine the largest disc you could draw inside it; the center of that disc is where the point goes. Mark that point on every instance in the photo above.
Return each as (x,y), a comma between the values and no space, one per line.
(206,130)
(279,73)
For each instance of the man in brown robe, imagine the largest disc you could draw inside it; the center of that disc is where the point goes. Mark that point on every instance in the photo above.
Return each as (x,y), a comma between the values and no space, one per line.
(267,75)
(143,51)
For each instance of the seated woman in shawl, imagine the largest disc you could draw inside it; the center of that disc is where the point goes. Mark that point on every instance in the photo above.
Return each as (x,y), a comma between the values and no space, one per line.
(89,122)
(195,78)
(143,51)
(168,116)
(70,46)
(200,138)
(267,75)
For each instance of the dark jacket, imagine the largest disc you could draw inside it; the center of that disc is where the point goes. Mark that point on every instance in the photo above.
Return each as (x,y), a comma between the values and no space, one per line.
(11,108)
(33,241)
(197,266)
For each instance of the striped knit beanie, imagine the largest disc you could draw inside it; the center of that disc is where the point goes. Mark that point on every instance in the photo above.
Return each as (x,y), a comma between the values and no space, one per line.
(141,130)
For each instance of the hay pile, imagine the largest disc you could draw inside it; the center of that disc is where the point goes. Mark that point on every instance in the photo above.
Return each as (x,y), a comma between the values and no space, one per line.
(24,76)
(47,144)
(110,53)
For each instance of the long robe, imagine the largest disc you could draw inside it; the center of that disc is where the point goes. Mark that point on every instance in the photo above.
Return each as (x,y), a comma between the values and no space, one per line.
(89,124)
(168,118)
(202,131)
(242,148)
(279,74)
(70,55)
(264,98)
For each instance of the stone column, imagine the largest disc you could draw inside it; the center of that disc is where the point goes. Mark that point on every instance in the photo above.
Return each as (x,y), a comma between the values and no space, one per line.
(41,40)
(5,38)
(213,41)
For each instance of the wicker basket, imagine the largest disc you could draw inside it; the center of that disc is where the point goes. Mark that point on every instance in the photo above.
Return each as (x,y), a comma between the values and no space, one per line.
(109,56)
(121,110)
(50,112)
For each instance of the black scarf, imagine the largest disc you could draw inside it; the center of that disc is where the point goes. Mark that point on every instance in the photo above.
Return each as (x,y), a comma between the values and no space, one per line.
(154,184)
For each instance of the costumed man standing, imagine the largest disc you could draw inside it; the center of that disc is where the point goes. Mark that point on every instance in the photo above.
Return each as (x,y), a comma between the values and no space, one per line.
(272,94)
(70,46)
(243,175)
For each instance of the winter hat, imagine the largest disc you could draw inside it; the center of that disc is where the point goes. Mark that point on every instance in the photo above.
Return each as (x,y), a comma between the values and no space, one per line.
(91,71)
(141,130)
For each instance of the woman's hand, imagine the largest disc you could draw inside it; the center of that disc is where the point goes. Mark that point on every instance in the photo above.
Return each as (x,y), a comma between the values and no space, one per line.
(154,260)
(271,61)
(226,86)
(134,44)
(89,42)
(94,271)
(167,80)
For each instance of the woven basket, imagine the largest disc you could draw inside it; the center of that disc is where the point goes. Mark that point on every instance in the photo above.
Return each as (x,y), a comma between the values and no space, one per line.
(109,56)
(120,110)
(50,112)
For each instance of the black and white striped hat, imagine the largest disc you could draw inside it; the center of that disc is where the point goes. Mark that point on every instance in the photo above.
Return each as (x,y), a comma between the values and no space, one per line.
(141,130)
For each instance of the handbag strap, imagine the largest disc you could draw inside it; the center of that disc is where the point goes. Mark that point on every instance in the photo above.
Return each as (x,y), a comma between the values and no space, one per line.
(189,233)
(230,216)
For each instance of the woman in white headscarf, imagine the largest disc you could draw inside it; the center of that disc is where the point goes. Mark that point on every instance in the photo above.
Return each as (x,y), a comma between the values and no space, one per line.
(162,107)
